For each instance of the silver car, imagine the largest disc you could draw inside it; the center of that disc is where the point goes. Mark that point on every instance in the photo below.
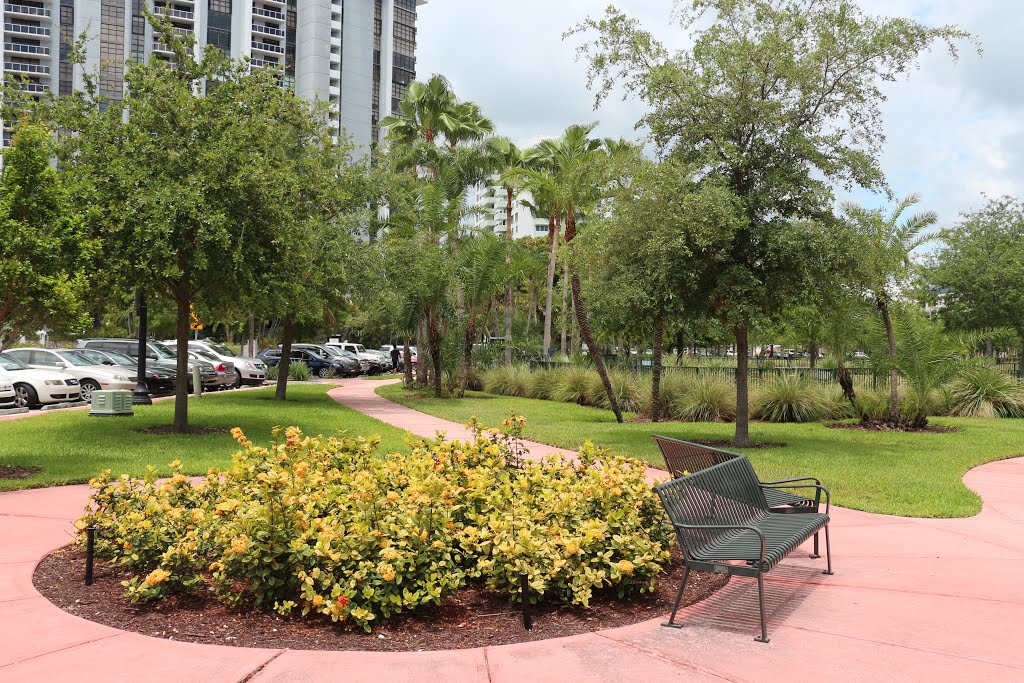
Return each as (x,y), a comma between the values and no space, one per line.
(248,371)
(90,375)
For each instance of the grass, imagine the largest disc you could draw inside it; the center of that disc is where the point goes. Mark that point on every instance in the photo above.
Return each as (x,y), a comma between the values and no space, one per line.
(72,447)
(377,378)
(912,474)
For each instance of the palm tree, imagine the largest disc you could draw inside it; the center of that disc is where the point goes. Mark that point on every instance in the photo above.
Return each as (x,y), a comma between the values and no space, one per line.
(424,111)
(508,158)
(465,122)
(480,270)
(886,245)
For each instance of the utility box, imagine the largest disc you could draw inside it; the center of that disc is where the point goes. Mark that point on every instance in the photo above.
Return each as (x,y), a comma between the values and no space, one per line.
(111,403)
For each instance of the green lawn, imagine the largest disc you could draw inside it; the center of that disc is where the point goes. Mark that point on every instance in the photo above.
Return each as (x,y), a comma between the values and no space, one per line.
(890,473)
(71,447)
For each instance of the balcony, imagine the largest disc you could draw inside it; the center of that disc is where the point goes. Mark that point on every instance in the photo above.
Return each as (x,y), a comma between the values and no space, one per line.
(269,14)
(26,29)
(25,68)
(256,62)
(34,88)
(267,30)
(267,47)
(177,13)
(21,48)
(26,10)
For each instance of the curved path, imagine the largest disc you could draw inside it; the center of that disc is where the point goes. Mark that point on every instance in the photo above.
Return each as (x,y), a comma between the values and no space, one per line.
(912,599)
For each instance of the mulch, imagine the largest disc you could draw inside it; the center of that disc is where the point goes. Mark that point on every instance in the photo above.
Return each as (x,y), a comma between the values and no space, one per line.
(725,443)
(883,426)
(192,431)
(18,472)
(471,617)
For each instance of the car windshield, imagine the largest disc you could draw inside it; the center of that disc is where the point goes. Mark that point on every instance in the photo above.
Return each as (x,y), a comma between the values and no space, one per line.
(161,350)
(8,363)
(204,354)
(96,357)
(359,348)
(222,350)
(121,358)
(328,350)
(76,358)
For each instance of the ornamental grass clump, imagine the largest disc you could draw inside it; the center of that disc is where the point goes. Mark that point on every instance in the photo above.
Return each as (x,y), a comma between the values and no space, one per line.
(508,380)
(326,527)
(986,391)
(790,398)
(575,385)
(704,399)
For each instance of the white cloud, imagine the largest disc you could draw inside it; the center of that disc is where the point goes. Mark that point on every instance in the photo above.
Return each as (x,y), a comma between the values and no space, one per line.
(954,130)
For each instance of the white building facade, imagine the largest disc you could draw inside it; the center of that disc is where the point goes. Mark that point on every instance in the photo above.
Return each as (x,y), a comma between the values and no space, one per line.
(358,55)
(491,201)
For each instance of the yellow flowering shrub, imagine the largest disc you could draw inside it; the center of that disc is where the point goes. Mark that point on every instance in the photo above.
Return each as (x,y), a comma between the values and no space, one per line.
(327,526)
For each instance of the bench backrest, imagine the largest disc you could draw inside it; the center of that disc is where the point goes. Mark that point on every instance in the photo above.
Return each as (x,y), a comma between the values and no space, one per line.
(726,493)
(683,457)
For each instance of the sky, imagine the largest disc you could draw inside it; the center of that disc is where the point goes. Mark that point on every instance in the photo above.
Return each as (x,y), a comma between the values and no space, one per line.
(954,129)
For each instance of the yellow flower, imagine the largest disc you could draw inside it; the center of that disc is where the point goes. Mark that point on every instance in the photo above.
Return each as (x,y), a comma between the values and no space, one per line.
(423,499)
(389,553)
(239,544)
(392,497)
(386,571)
(128,545)
(156,577)
(437,545)
(625,566)
(423,535)
(572,548)
(318,600)
(176,464)
(616,491)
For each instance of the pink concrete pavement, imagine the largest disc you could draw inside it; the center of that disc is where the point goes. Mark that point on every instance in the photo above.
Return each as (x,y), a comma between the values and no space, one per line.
(912,599)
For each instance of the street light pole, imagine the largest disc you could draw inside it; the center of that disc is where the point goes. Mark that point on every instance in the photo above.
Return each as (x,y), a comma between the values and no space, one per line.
(140,396)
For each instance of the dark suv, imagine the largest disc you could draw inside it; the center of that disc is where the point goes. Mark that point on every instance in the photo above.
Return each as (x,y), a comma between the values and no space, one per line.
(319,364)
(156,354)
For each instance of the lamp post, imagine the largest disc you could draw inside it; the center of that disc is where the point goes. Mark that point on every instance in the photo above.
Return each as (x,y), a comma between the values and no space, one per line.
(140,396)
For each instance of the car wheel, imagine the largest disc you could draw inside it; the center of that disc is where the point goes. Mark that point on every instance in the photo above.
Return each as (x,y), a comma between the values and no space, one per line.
(238,380)
(25,396)
(323,372)
(86,387)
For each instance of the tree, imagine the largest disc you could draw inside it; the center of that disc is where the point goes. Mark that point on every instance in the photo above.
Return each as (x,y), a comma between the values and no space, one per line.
(43,254)
(978,273)
(481,264)
(507,158)
(885,246)
(776,99)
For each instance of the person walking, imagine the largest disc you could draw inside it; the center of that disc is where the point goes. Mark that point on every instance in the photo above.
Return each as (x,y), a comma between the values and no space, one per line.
(395,358)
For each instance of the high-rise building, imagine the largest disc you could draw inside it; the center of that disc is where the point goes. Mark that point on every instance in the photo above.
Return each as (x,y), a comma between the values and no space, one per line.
(490,200)
(358,55)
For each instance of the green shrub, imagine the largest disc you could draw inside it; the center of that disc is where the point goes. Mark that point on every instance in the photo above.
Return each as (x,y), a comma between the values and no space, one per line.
(273,373)
(326,527)
(626,386)
(872,405)
(674,385)
(789,398)
(836,405)
(704,399)
(543,383)
(985,391)
(574,385)
(297,371)
(507,380)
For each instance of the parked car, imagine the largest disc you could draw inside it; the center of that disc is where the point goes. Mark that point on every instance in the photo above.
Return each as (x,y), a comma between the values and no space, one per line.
(158,380)
(33,388)
(156,354)
(225,369)
(91,376)
(386,349)
(7,395)
(353,366)
(319,364)
(378,362)
(248,371)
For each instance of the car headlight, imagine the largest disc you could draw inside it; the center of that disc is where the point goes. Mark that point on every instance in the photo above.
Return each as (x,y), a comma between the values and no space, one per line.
(121,378)
(6,387)
(53,382)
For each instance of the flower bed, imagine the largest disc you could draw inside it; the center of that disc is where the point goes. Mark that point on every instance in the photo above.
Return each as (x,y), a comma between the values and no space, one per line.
(327,528)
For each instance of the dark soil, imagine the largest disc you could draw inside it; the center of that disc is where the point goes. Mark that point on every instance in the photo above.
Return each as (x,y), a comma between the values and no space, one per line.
(883,426)
(472,617)
(723,443)
(197,431)
(18,472)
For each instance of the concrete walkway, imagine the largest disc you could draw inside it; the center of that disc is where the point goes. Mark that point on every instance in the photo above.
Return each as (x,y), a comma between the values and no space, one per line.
(912,599)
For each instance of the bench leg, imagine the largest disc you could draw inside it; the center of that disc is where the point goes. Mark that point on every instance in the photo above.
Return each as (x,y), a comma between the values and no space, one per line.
(815,554)
(671,623)
(828,551)
(760,600)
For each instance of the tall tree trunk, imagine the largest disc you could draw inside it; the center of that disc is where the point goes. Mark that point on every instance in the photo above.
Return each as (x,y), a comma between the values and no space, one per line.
(434,340)
(531,307)
(813,362)
(184,316)
(281,393)
(467,355)
(845,380)
(659,340)
(508,287)
(563,348)
(680,345)
(554,227)
(421,357)
(894,394)
(407,362)
(742,413)
(581,315)
(252,336)
(577,345)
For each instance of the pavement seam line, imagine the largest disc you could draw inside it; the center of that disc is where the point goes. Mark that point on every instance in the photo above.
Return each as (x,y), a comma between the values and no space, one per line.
(487,664)
(670,660)
(940,653)
(62,649)
(256,672)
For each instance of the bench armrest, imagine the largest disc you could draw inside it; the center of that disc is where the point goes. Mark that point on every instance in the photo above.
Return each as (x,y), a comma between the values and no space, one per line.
(789,481)
(738,527)
(819,489)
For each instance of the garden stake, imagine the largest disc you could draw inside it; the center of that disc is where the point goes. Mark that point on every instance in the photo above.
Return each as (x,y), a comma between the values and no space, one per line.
(524,587)
(90,547)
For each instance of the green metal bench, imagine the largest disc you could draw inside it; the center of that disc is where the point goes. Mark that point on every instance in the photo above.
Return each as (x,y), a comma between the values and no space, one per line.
(720,516)
(683,458)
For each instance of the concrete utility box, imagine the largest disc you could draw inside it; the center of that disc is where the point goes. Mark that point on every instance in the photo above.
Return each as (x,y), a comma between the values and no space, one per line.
(111,403)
